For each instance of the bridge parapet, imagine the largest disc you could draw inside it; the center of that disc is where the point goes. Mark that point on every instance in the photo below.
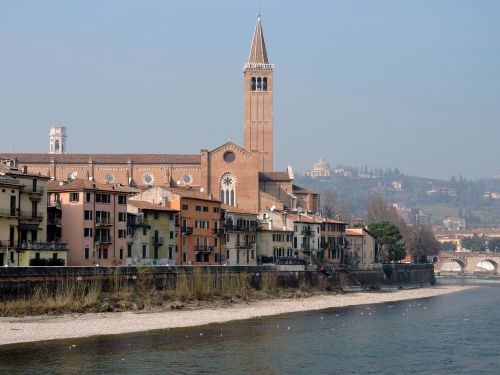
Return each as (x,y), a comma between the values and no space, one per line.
(468,261)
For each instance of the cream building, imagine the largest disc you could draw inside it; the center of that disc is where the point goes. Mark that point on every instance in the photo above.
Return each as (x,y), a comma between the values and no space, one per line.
(361,247)
(241,232)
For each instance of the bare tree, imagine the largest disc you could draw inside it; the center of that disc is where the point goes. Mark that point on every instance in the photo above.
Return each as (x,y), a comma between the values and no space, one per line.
(420,243)
(329,202)
(378,209)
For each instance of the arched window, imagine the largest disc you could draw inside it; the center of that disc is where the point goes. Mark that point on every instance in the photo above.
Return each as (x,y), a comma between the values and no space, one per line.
(57,145)
(253,84)
(228,189)
(264,84)
(259,84)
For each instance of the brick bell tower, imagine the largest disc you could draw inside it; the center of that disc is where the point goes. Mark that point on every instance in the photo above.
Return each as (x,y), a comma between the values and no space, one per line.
(258,101)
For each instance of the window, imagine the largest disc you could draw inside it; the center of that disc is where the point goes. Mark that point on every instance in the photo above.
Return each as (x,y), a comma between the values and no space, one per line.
(216,241)
(129,250)
(122,233)
(87,215)
(74,197)
(105,253)
(216,210)
(264,84)
(183,257)
(156,215)
(102,198)
(122,199)
(87,232)
(184,207)
(87,253)
(144,250)
(144,231)
(121,253)
(198,208)
(122,217)
(205,209)
(252,84)
(87,197)
(171,234)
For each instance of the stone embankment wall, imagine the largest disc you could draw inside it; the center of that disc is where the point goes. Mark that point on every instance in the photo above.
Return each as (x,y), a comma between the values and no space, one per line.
(15,281)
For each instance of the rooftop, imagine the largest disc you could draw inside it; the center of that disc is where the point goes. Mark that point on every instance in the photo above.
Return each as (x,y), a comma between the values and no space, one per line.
(80,184)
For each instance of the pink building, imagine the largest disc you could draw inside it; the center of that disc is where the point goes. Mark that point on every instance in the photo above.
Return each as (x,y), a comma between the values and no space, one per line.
(93,220)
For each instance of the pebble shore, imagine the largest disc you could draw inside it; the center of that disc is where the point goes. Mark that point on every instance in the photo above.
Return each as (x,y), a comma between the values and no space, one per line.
(30,329)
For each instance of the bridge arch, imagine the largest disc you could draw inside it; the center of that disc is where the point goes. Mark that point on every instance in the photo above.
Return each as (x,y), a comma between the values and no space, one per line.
(450,265)
(486,265)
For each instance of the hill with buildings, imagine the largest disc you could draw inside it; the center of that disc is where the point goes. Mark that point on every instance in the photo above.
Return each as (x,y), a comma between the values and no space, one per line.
(454,203)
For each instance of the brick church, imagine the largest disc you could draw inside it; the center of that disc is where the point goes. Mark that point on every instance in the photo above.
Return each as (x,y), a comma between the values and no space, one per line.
(242,177)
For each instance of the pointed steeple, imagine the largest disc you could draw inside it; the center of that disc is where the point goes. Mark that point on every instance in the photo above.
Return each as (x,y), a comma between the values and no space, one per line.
(258,53)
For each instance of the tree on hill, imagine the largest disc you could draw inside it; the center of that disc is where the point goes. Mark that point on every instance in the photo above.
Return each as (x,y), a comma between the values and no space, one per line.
(420,243)
(494,245)
(332,207)
(379,209)
(448,246)
(389,241)
(474,243)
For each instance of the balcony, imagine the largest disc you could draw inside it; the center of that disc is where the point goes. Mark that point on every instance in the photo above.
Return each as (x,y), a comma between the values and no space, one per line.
(43,246)
(158,241)
(30,190)
(241,228)
(53,221)
(30,215)
(245,244)
(105,240)
(102,221)
(203,249)
(219,232)
(186,231)
(306,232)
(8,213)
(134,221)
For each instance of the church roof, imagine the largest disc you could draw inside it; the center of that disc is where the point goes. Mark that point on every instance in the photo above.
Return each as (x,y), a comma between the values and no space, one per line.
(258,53)
(44,158)
(274,176)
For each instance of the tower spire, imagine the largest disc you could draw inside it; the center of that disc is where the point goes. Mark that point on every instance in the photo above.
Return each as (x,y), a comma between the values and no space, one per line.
(258,53)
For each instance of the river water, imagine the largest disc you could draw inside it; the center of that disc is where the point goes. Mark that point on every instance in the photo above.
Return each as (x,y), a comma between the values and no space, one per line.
(452,334)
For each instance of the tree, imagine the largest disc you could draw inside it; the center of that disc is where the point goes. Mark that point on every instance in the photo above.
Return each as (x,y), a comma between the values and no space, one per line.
(329,203)
(380,210)
(494,245)
(448,246)
(389,241)
(474,243)
(420,243)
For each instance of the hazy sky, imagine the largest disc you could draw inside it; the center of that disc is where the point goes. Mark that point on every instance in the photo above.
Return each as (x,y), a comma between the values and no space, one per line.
(412,84)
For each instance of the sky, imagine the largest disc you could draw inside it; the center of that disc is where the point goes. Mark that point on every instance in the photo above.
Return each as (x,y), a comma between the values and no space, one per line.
(387,83)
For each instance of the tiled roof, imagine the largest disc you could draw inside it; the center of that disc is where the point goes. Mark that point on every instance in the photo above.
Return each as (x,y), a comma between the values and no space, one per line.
(353,232)
(80,184)
(274,176)
(190,193)
(258,53)
(105,158)
(16,172)
(150,206)
(299,189)
(237,210)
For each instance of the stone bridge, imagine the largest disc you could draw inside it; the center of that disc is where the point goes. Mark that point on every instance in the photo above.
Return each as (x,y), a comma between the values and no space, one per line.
(468,262)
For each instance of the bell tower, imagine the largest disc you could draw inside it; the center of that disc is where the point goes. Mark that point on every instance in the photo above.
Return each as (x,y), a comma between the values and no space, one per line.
(258,101)
(57,140)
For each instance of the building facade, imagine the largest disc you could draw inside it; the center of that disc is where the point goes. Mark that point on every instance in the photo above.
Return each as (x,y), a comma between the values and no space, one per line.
(240,231)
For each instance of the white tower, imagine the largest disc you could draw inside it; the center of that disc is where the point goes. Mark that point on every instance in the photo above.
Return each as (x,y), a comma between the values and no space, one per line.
(57,140)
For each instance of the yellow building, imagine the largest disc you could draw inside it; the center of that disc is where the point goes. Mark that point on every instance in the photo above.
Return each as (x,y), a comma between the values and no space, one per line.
(23,221)
(361,247)
(153,233)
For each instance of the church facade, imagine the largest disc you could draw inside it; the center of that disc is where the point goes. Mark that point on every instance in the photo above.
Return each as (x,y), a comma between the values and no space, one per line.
(242,177)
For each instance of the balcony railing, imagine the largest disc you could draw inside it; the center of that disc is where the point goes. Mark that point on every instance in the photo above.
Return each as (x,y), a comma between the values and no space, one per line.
(241,228)
(8,213)
(306,231)
(136,222)
(245,244)
(204,249)
(102,221)
(30,215)
(29,189)
(187,230)
(54,221)
(158,240)
(103,240)
(43,246)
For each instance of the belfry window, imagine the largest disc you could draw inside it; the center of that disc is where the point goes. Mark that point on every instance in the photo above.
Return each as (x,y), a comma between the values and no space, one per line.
(259,84)
(252,84)
(264,84)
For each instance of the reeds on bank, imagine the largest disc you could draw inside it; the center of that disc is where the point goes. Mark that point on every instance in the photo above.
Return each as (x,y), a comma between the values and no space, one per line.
(144,289)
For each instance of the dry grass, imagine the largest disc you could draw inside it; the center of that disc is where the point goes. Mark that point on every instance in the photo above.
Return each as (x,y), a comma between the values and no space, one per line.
(123,292)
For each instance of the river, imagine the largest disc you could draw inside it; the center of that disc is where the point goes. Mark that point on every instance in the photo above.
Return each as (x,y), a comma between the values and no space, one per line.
(452,334)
